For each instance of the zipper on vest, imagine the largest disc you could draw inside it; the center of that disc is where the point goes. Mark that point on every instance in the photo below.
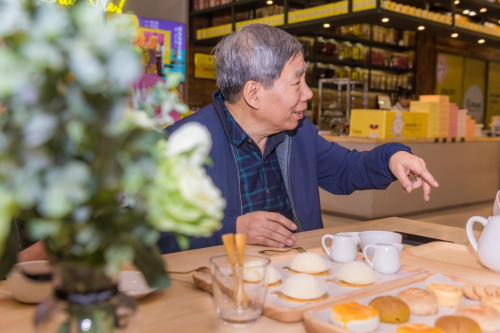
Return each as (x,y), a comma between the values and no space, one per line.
(237,169)
(299,227)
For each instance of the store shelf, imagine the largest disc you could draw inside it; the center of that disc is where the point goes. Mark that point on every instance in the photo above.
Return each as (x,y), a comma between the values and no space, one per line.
(330,60)
(367,42)
(239,6)
(211,9)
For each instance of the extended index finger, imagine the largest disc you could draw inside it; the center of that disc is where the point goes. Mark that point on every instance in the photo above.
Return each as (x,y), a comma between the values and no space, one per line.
(428,178)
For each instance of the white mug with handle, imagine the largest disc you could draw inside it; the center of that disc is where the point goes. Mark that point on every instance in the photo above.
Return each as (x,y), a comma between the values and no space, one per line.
(386,257)
(344,247)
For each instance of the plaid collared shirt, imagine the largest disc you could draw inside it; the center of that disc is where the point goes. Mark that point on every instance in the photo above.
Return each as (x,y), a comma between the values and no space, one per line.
(261,183)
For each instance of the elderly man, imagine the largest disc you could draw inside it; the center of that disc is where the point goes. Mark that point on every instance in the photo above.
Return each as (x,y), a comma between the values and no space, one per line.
(268,160)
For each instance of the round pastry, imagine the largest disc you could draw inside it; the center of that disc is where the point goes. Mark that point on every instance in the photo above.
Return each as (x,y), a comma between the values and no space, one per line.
(457,324)
(391,309)
(421,302)
(487,318)
(418,328)
(357,272)
(303,287)
(492,302)
(447,295)
(309,263)
(479,290)
(355,317)
(469,292)
(253,271)
(491,290)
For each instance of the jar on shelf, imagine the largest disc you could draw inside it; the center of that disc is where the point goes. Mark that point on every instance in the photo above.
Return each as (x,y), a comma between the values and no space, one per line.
(358,52)
(357,74)
(321,70)
(346,51)
(330,71)
(331,47)
(320,46)
(356,30)
(345,72)
(365,31)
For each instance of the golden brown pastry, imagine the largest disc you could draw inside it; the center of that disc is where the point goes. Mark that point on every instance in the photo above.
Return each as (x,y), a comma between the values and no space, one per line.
(355,317)
(418,328)
(391,309)
(447,295)
(421,302)
(498,291)
(458,324)
(487,318)
(479,290)
(468,291)
(491,290)
(492,302)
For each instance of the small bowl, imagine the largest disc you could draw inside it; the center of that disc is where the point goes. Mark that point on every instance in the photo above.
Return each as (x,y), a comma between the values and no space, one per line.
(133,284)
(375,237)
(27,290)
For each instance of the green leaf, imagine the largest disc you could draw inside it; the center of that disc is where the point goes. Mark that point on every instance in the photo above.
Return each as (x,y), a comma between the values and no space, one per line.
(9,257)
(152,267)
(183,241)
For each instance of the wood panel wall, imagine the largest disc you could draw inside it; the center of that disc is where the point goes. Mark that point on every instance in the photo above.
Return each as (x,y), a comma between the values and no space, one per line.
(425,76)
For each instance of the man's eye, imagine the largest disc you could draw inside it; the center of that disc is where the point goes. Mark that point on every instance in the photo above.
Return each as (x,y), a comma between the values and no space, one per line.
(297,83)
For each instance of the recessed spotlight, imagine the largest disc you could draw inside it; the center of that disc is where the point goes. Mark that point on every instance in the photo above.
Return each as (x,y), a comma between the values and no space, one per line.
(483,10)
(326,25)
(481,41)
(269,2)
(421,27)
(466,12)
(385,20)
(457,2)
(472,13)
(454,35)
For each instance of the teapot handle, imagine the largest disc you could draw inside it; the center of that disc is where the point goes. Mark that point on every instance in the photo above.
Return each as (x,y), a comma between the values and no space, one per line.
(470,230)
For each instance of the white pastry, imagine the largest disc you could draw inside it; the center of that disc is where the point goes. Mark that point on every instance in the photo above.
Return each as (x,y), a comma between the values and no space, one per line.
(253,271)
(357,272)
(309,263)
(303,287)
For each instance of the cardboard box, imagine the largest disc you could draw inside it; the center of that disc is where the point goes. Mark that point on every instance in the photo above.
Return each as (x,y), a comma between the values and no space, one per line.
(388,124)
(444,112)
(274,20)
(311,13)
(432,110)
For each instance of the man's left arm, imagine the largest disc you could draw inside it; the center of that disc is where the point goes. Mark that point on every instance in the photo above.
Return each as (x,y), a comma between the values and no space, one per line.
(343,171)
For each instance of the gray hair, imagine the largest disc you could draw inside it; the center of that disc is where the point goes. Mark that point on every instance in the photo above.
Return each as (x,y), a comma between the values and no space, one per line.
(258,52)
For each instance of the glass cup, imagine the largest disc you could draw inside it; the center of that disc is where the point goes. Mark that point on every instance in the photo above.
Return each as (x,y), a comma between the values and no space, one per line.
(239,307)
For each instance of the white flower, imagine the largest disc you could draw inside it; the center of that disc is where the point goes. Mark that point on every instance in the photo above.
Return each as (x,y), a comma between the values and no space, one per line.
(13,72)
(141,119)
(13,17)
(190,137)
(86,66)
(43,54)
(124,67)
(198,188)
(51,22)
(39,129)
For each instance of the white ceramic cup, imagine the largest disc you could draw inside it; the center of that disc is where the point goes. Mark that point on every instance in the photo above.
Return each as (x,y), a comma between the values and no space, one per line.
(344,247)
(488,246)
(375,237)
(23,288)
(386,258)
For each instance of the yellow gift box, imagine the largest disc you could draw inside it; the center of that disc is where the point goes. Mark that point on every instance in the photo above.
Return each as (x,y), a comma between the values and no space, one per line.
(311,13)
(388,124)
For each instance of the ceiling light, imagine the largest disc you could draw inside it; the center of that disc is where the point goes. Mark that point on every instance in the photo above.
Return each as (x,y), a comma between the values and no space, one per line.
(465,12)
(326,25)
(483,10)
(421,27)
(269,2)
(385,20)
(472,13)
(481,41)
(454,35)
(457,2)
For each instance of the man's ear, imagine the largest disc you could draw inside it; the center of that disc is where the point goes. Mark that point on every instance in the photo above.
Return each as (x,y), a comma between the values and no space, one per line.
(251,94)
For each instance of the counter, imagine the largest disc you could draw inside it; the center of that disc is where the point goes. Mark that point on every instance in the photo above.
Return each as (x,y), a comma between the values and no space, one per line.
(468,172)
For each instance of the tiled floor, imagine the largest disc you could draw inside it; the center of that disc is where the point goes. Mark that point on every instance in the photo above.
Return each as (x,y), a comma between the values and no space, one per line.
(455,217)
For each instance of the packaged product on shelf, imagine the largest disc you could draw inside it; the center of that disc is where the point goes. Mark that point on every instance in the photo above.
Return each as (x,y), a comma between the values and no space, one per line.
(321,70)
(320,46)
(358,52)
(345,72)
(331,47)
(346,53)
(330,71)
(357,74)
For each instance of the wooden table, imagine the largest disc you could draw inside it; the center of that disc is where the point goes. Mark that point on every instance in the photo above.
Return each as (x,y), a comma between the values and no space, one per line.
(184,308)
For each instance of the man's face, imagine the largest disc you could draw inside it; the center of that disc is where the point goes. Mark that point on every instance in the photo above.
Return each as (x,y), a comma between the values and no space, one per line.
(285,103)
(405,102)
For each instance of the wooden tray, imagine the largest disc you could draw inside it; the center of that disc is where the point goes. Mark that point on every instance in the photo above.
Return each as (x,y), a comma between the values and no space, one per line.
(313,324)
(203,280)
(450,259)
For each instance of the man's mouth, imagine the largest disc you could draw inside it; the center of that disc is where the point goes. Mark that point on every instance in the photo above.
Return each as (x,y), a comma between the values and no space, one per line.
(299,114)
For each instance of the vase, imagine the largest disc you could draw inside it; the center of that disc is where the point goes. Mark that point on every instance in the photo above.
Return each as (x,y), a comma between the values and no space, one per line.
(85,299)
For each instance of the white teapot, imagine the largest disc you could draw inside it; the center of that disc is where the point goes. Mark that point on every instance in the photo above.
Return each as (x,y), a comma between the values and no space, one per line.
(488,248)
